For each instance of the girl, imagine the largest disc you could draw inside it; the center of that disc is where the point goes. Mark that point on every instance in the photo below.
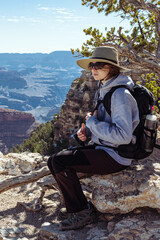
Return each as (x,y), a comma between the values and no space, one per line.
(104,130)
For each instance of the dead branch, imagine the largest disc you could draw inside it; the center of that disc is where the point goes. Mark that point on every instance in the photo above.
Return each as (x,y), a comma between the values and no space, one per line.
(28,178)
(136,59)
(23,179)
(36,205)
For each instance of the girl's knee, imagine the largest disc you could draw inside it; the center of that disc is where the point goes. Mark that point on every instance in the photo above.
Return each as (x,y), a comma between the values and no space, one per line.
(50,162)
(60,161)
(53,162)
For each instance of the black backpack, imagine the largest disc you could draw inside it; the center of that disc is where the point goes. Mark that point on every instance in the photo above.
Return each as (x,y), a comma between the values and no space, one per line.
(145,101)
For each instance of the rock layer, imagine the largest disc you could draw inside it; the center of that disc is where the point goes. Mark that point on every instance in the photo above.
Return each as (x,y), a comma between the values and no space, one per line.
(79,101)
(15,126)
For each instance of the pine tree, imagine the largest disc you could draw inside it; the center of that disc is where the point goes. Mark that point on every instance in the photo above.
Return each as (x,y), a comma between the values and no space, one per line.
(138,46)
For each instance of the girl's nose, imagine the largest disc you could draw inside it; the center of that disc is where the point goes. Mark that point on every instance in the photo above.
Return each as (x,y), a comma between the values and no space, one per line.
(93,69)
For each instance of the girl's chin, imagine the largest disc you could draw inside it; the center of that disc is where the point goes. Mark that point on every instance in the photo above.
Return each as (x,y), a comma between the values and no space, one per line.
(96,78)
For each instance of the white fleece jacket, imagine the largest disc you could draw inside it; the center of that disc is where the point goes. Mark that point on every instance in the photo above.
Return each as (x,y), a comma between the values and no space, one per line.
(118,128)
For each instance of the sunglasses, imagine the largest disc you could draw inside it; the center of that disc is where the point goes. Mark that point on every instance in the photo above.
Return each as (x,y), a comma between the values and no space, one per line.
(97,65)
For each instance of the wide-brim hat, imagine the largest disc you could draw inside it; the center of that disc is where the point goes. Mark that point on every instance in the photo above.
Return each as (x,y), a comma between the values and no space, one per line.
(102,54)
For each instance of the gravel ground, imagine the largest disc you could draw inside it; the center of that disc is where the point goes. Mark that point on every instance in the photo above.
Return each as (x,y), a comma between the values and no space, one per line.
(18,223)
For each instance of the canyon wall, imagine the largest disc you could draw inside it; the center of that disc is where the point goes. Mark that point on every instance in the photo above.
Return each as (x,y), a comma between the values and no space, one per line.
(15,126)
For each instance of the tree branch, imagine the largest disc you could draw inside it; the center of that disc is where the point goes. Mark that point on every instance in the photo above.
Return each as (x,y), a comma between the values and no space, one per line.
(153,9)
(30,177)
(23,179)
(131,54)
(141,30)
(121,37)
(151,56)
(121,6)
(135,3)
(144,6)
(150,7)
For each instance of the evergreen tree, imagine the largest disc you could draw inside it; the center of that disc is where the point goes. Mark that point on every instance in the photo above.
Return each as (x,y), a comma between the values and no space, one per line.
(41,141)
(138,46)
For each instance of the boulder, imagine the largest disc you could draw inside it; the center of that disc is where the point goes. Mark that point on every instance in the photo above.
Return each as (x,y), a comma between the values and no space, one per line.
(17,163)
(137,186)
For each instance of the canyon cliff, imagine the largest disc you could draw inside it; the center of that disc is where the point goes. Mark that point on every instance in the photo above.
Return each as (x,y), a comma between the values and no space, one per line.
(79,101)
(15,126)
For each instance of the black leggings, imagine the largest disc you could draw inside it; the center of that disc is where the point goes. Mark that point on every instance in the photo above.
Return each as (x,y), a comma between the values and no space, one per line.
(64,166)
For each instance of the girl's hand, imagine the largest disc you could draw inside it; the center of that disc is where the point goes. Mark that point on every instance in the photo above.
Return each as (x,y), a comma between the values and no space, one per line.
(82,133)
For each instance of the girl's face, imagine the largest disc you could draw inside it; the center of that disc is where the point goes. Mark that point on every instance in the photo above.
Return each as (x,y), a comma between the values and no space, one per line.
(99,72)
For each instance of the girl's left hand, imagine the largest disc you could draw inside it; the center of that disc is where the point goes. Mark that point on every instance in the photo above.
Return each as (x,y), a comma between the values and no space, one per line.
(82,133)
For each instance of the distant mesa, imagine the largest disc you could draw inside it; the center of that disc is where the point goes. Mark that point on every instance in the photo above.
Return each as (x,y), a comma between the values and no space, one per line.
(11,79)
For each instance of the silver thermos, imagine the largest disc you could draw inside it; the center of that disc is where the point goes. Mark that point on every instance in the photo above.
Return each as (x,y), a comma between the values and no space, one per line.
(149,135)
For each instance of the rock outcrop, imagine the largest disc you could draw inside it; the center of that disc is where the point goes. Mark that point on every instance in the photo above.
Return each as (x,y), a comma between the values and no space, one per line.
(135,187)
(79,100)
(128,200)
(20,163)
(15,126)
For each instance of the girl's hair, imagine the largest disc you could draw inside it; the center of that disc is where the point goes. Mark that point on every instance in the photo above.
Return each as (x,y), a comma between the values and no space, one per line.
(114,70)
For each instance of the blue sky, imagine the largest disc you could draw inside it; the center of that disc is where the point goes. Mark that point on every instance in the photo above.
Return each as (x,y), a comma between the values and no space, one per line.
(30,26)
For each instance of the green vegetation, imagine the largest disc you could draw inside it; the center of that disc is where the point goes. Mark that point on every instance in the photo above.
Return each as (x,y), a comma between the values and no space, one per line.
(138,43)
(153,84)
(41,141)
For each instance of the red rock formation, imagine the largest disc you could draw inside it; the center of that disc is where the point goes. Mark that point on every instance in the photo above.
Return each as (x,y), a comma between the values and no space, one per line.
(15,126)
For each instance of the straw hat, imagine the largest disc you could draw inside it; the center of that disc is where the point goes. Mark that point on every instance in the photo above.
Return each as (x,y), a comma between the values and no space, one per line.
(102,54)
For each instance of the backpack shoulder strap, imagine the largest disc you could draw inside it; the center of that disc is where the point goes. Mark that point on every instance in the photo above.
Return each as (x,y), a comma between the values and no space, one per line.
(107,98)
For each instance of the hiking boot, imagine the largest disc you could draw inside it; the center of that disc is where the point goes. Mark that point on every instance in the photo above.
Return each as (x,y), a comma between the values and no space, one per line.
(79,219)
(63,214)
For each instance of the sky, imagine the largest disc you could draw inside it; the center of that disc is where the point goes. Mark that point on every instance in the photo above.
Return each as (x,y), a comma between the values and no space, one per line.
(44,26)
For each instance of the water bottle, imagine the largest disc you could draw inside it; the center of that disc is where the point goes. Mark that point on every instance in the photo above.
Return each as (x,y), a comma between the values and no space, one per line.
(149,135)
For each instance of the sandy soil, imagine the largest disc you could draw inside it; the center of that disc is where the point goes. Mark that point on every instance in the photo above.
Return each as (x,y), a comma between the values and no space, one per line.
(16,220)
(18,223)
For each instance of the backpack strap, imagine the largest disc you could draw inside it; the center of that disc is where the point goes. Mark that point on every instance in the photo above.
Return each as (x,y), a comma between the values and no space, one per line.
(107,105)
(107,98)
